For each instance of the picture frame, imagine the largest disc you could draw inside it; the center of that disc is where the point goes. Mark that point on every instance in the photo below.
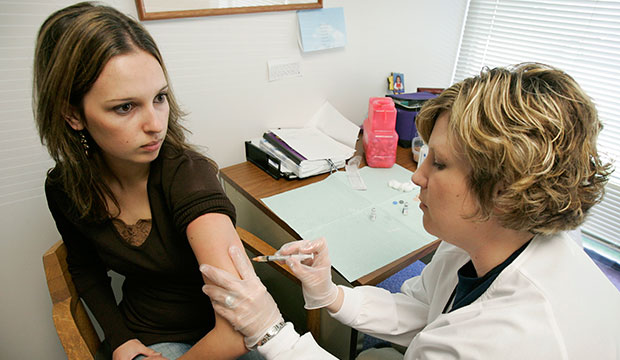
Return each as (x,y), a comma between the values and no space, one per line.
(165,9)
(397,85)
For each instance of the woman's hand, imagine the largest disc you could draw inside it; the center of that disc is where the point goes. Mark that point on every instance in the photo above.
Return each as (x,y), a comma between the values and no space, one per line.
(132,348)
(244,302)
(315,275)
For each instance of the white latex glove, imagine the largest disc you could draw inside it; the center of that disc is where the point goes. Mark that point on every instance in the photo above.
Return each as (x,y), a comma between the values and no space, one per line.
(244,302)
(315,274)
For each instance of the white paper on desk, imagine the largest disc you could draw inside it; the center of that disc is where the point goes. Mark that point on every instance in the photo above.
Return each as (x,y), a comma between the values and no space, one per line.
(314,144)
(328,135)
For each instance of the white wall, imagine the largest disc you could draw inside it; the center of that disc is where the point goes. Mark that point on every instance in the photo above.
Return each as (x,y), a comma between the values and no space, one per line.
(218,68)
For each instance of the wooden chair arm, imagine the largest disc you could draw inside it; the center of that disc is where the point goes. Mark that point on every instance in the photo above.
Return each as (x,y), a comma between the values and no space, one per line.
(259,247)
(75,330)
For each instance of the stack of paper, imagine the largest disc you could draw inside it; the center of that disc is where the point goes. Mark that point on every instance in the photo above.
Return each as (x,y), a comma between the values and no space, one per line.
(324,144)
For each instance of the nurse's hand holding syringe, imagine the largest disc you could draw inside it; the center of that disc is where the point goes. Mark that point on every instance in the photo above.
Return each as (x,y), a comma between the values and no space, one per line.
(276,257)
(315,274)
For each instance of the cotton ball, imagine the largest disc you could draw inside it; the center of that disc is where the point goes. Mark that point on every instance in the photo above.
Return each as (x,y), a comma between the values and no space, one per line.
(407,187)
(394,184)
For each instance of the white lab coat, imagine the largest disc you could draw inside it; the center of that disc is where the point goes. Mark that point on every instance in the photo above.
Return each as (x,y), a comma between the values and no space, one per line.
(552,302)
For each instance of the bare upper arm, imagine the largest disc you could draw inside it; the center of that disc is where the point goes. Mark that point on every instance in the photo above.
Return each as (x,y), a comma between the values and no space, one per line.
(210,236)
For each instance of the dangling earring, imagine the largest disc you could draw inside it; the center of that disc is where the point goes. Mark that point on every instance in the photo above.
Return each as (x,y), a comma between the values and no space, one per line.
(84,142)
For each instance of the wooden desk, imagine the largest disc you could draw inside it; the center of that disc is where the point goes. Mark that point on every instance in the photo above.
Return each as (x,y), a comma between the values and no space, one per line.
(255,184)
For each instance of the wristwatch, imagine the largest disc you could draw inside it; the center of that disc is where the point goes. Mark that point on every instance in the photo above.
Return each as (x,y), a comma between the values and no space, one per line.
(273,331)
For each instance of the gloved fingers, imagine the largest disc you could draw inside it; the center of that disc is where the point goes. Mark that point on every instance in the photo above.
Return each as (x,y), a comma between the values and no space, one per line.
(321,251)
(231,306)
(303,268)
(302,271)
(316,246)
(218,294)
(242,263)
(219,277)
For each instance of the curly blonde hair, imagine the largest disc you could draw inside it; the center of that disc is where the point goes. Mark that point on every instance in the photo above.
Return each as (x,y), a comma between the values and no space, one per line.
(530,131)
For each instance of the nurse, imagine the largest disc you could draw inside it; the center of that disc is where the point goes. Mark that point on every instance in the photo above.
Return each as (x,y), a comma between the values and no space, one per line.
(512,166)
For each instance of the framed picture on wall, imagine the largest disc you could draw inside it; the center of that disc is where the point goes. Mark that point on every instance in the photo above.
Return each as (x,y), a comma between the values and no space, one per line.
(166,9)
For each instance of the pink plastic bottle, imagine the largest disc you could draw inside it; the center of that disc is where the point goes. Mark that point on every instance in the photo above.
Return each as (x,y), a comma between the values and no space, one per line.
(380,137)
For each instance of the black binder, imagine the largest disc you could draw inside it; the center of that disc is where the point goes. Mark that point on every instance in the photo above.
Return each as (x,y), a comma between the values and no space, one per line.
(268,163)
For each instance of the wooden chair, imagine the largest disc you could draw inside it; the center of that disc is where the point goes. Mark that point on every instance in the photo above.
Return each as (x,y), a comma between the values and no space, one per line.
(75,329)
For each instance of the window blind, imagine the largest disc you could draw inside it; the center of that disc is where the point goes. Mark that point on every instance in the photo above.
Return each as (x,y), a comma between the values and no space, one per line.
(581,37)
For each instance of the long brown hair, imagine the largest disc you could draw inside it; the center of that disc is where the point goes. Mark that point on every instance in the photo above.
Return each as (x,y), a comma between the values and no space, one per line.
(73,46)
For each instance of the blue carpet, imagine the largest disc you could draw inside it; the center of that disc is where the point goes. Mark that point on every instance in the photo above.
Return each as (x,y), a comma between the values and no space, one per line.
(394,282)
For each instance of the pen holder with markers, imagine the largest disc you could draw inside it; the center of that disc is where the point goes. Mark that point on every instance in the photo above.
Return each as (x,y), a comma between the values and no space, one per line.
(380,137)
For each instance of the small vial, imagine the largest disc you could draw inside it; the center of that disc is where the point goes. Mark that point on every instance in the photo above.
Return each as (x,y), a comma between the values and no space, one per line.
(406,209)
(373,214)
